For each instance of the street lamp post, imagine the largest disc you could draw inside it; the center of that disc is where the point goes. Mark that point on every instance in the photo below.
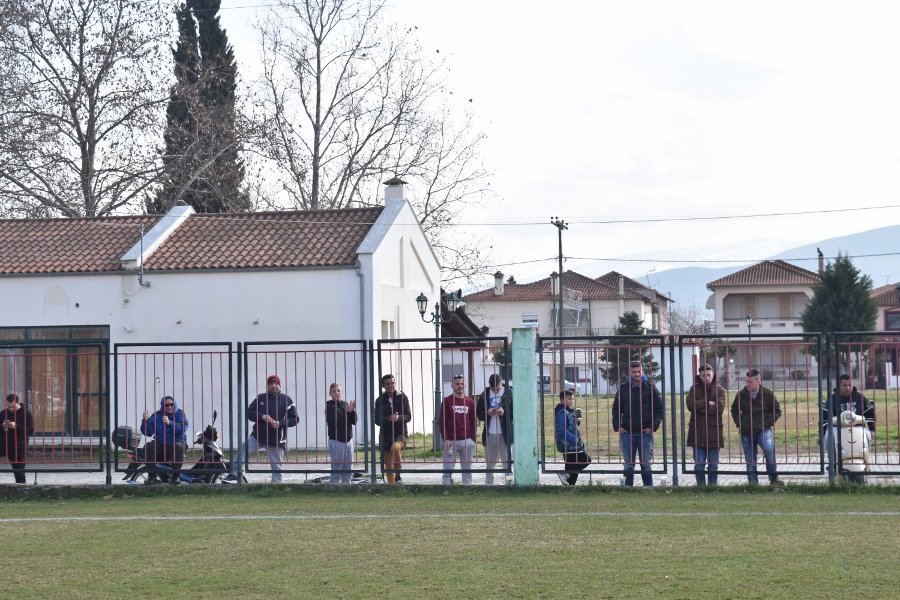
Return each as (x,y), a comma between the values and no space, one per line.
(454,301)
(560,226)
(749,341)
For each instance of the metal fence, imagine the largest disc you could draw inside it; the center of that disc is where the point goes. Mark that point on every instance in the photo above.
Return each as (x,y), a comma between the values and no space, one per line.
(78,394)
(424,372)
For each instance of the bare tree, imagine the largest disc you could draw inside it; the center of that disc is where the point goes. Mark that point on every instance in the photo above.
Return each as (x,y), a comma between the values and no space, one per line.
(688,319)
(349,101)
(81,103)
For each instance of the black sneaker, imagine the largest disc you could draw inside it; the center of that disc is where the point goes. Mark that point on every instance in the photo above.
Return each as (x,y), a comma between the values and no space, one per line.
(230,478)
(398,480)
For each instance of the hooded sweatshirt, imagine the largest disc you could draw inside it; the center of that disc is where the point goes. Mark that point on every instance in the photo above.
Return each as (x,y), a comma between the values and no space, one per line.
(166,435)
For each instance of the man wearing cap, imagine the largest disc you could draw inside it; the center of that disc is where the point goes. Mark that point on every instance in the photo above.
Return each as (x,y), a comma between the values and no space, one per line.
(271,414)
(755,410)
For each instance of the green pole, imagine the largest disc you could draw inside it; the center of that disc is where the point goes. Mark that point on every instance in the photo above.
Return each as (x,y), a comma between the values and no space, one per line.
(524,377)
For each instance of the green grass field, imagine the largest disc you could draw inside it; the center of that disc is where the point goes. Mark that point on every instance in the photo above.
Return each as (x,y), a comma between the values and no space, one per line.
(361,542)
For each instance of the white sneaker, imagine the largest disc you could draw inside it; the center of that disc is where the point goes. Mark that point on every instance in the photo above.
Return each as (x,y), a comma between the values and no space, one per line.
(564,478)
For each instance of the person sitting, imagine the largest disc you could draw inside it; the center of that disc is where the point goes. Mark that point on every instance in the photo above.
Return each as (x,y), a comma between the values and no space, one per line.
(168,427)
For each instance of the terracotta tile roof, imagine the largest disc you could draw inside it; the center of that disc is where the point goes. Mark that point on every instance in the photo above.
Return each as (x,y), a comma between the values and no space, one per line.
(311,238)
(204,241)
(590,289)
(768,272)
(612,279)
(886,295)
(83,245)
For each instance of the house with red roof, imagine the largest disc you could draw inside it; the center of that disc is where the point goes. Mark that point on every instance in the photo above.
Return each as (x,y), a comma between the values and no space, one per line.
(184,277)
(764,302)
(591,307)
(887,298)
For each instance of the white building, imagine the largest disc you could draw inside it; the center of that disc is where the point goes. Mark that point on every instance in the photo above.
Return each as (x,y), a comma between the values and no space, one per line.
(71,286)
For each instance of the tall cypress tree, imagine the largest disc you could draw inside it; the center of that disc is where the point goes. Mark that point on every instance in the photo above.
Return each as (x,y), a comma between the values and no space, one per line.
(201,160)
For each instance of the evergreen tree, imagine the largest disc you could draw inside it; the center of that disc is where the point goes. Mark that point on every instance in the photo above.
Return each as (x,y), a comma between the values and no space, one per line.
(201,160)
(617,358)
(841,300)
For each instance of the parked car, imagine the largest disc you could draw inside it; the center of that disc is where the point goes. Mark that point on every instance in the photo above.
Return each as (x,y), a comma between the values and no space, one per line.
(544,385)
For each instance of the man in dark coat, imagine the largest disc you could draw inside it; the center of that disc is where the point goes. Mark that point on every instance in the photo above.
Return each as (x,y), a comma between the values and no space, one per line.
(755,410)
(18,426)
(494,408)
(637,412)
(706,403)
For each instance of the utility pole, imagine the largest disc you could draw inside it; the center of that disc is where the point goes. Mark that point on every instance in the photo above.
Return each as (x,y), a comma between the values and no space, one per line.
(560,226)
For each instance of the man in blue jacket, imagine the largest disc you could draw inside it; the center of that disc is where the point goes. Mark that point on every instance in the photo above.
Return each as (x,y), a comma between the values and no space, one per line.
(167,427)
(637,412)
(271,414)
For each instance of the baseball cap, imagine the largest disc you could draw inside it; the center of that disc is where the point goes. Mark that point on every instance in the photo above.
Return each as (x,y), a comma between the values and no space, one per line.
(273,379)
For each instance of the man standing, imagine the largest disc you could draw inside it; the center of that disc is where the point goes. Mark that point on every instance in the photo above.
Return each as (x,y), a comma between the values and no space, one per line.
(391,414)
(271,414)
(458,426)
(637,412)
(755,411)
(18,426)
(495,409)
(340,417)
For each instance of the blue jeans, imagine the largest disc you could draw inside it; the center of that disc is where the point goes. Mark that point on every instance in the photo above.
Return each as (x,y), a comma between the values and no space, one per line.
(641,444)
(765,440)
(702,457)
(341,455)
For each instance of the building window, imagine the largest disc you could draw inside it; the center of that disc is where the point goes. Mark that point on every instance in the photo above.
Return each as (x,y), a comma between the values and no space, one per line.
(798,305)
(892,320)
(387,330)
(530,320)
(767,307)
(733,307)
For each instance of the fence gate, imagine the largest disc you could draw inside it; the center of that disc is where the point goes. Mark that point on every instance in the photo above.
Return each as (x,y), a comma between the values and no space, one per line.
(598,369)
(872,360)
(423,369)
(788,366)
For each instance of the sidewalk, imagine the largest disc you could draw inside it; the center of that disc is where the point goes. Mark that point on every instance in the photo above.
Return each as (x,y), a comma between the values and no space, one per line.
(410,476)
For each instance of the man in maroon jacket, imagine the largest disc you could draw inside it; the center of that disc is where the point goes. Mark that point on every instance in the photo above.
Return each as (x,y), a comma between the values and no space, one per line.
(458,425)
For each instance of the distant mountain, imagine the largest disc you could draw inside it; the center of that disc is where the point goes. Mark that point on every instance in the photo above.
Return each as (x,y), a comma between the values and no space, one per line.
(875,252)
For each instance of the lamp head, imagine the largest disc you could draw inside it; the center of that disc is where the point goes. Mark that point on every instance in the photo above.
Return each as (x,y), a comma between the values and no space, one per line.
(422,304)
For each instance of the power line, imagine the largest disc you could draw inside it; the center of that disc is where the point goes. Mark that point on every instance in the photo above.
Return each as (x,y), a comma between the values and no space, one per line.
(591,221)
(686,261)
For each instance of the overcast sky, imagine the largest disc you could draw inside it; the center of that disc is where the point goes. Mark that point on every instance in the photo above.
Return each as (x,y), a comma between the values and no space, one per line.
(605,111)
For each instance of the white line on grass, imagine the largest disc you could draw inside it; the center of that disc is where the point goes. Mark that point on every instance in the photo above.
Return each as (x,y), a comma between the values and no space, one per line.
(514,515)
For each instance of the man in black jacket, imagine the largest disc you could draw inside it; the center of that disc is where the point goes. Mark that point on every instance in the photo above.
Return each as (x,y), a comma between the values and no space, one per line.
(340,417)
(847,397)
(637,412)
(18,426)
(271,414)
(494,408)
(392,413)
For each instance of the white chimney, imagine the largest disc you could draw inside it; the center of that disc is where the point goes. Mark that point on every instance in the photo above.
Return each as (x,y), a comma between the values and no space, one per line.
(394,189)
(498,283)
(621,287)
(554,284)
